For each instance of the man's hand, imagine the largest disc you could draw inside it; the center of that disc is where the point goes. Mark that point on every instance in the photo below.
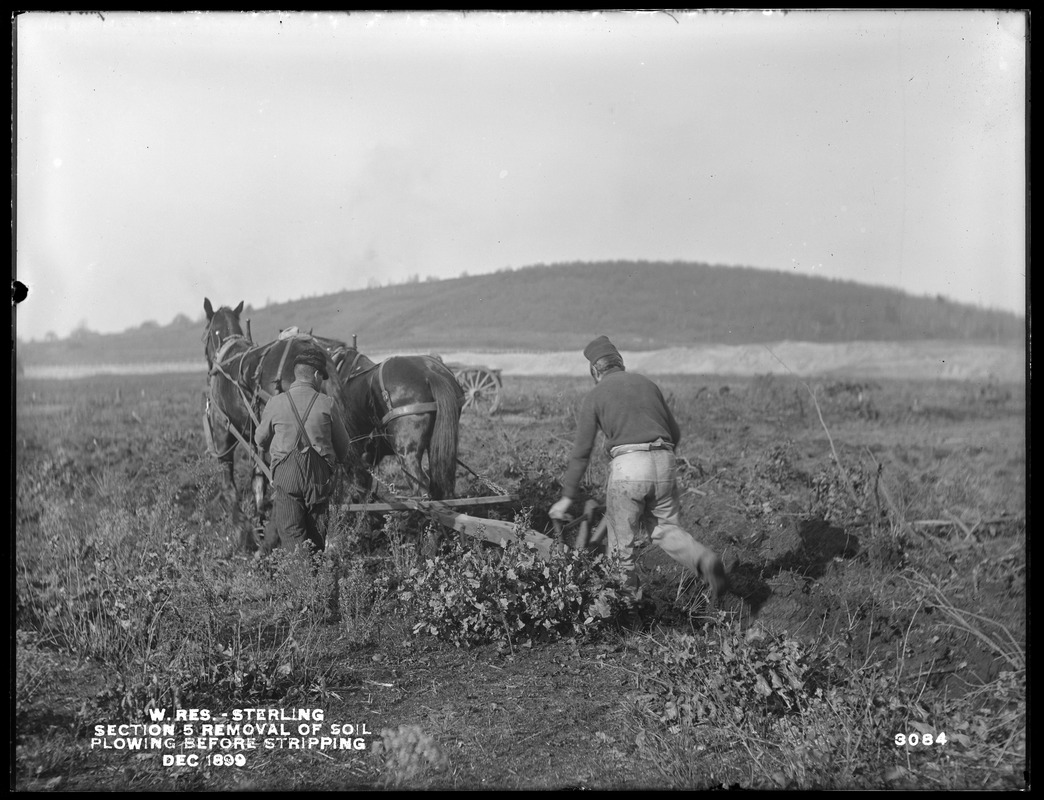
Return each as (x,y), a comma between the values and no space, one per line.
(559,509)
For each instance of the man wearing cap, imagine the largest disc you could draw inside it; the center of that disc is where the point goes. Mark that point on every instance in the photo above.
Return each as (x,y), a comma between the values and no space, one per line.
(305,438)
(640,436)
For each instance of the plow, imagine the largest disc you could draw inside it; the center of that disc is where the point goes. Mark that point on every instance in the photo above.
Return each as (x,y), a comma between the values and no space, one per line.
(448,513)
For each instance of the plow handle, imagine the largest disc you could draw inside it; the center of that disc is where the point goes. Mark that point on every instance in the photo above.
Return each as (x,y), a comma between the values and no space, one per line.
(585,524)
(585,521)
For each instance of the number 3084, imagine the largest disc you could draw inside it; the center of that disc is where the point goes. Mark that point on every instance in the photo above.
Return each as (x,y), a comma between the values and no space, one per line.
(914,739)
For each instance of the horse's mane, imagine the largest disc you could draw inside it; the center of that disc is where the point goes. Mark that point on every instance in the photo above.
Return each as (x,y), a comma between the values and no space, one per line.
(343,353)
(330,345)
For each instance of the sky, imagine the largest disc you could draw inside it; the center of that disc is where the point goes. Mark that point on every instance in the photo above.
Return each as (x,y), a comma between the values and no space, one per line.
(166,157)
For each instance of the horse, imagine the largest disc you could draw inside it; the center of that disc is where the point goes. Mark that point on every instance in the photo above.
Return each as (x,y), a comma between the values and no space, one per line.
(242,377)
(404,406)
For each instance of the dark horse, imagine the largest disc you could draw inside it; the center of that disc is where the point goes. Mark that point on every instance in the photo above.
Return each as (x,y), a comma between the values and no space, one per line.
(405,406)
(241,378)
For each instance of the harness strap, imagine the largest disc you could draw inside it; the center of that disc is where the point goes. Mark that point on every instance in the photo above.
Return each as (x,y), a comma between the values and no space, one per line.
(341,393)
(337,354)
(260,394)
(340,355)
(219,356)
(404,411)
(208,429)
(384,391)
(355,361)
(401,411)
(250,448)
(279,372)
(253,451)
(219,368)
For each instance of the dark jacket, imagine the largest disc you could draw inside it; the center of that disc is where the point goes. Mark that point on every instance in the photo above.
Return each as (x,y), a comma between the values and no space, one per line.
(629,409)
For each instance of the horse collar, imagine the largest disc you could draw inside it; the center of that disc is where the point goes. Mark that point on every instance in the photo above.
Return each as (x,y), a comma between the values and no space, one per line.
(384,391)
(219,356)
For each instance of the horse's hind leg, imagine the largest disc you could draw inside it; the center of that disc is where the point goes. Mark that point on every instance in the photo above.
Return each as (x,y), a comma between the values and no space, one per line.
(228,484)
(411,438)
(361,485)
(258,486)
(230,499)
(413,469)
(423,485)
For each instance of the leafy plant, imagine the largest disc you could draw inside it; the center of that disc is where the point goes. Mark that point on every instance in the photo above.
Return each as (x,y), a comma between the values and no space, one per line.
(471,595)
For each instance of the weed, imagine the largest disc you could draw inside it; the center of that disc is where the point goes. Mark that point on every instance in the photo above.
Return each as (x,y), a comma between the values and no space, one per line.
(363,597)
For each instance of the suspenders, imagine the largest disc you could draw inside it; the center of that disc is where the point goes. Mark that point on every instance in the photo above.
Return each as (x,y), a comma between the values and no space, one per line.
(301,432)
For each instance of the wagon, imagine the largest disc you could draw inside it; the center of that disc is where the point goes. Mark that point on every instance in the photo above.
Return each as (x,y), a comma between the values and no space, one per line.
(481,387)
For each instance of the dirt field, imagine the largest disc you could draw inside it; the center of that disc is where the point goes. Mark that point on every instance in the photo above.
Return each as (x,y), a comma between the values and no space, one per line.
(873,529)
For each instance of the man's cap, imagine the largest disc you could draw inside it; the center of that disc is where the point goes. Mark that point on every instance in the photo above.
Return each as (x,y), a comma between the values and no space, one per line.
(600,348)
(312,358)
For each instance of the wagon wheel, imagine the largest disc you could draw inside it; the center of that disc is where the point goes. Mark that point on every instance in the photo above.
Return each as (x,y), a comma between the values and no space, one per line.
(481,390)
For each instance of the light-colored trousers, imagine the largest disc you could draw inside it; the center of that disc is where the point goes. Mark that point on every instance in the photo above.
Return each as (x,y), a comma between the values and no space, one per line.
(642,493)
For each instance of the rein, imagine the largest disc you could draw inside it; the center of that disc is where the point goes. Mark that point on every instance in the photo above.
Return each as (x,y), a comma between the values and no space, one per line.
(339,354)
(219,357)
(211,446)
(222,366)
(240,440)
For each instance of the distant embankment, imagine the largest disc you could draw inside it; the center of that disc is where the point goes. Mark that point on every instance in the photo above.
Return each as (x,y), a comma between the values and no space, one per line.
(71,371)
(938,360)
(934,359)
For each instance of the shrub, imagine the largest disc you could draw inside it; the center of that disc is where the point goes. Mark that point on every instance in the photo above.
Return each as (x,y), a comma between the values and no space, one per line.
(737,678)
(471,594)
(809,719)
(841,501)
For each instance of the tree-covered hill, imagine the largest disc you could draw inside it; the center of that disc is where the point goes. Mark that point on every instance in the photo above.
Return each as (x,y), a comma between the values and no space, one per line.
(640,305)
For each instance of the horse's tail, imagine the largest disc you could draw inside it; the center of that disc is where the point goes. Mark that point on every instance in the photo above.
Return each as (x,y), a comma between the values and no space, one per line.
(442,451)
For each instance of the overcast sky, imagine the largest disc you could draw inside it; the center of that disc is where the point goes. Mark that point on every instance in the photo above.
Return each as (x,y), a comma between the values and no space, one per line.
(164,158)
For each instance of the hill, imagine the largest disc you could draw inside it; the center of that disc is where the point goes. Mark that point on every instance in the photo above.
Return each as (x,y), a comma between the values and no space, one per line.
(641,305)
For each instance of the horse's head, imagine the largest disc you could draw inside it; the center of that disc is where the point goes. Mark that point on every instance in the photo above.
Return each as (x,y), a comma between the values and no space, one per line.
(221,325)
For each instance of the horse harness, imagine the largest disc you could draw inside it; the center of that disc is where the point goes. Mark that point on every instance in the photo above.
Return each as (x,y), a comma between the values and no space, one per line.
(223,365)
(231,368)
(401,411)
(338,356)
